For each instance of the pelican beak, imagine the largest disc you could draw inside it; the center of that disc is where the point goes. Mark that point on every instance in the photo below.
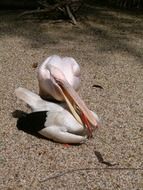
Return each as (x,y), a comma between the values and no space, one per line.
(76,105)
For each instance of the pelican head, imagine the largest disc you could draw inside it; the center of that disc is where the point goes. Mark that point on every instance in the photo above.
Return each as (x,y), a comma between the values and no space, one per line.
(63,68)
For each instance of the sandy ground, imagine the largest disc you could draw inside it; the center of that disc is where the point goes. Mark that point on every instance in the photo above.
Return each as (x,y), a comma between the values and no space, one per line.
(108,45)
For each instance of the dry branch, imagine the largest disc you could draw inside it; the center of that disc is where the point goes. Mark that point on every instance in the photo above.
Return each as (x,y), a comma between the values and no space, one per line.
(60,174)
(69,12)
(64,6)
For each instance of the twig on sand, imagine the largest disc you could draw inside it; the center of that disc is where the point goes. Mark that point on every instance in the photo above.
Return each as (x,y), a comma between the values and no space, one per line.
(69,12)
(101,160)
(60,174)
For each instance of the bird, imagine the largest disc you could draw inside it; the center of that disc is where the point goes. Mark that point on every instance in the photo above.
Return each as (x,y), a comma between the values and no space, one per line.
(51,120)
(59,78)
(65,68)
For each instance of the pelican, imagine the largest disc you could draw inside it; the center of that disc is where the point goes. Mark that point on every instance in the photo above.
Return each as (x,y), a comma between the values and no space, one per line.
(65,68)
(52,120)
(59,77)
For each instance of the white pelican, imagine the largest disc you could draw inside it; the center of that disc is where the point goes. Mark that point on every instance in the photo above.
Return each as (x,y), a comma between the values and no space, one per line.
(65,68)
(51,119)
(60,77)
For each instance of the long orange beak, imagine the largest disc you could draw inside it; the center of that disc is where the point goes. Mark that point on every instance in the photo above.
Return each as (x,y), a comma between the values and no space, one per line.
(76,105)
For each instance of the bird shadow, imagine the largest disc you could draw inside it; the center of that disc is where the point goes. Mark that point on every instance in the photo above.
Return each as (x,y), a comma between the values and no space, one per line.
(31,123)
(26,124)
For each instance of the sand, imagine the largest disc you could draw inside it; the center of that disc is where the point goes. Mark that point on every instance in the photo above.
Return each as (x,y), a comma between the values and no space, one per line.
(108,45)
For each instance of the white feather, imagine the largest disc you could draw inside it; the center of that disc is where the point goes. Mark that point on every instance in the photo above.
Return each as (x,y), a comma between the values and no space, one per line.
(60,124)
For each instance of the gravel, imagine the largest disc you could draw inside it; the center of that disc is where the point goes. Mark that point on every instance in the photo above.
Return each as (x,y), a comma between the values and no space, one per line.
(108,45)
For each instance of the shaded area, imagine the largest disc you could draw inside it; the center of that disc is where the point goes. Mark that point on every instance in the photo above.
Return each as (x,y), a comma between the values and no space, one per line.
(30,123)
(106,26)
(16,4)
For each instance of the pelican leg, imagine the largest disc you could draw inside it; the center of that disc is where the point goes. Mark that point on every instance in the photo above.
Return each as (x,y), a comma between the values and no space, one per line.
(61,135)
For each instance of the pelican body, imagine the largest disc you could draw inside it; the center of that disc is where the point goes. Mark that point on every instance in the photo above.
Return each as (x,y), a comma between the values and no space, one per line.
(53,120)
